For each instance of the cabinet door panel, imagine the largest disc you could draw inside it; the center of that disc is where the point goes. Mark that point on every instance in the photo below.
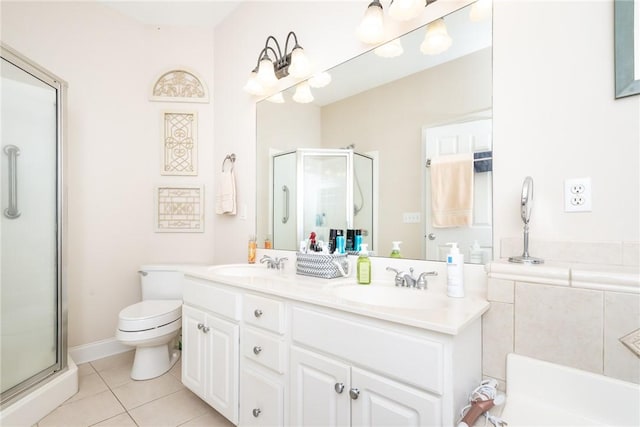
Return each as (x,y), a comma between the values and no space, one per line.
(383,402)
(222,367)
(193,350)
(314,399)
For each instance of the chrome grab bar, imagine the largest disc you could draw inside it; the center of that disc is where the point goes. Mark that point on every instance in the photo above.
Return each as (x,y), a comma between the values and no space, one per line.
(285,218)
(12,211)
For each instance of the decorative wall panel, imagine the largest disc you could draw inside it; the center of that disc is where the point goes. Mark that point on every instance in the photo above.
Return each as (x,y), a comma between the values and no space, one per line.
(179,209)
(180,144)
(179,86)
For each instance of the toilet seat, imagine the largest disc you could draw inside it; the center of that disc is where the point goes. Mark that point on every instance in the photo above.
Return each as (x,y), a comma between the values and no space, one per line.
(149,314)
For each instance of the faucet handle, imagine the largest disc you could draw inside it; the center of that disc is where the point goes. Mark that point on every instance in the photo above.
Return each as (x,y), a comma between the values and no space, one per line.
(421,283)
(280,262)
(399,279)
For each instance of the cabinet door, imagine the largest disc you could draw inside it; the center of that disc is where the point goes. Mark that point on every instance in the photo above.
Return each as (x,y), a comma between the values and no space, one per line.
(383,402)
(319,390)
(261,400)
(193,349)
(221,366)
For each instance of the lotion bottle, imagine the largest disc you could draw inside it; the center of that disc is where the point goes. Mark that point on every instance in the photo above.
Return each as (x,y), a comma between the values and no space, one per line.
(455,272)
(363,266)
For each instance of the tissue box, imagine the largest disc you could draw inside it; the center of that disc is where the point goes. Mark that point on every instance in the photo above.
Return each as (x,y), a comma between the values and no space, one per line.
(320,265)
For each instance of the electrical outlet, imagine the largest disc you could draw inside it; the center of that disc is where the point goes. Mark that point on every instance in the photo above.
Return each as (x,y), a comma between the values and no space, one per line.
(577,195)
(411,217)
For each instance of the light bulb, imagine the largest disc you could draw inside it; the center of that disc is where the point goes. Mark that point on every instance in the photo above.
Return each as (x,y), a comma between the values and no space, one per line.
(371,28)
(300,66)
(405,10)
(266,74)
(437,39)
(320,80)
(303,93)
(390,50)
(277,98)
(253,86)
(480,10)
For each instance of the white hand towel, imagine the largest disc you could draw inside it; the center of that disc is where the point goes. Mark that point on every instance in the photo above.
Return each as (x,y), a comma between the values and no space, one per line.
(452,190)
(226,194)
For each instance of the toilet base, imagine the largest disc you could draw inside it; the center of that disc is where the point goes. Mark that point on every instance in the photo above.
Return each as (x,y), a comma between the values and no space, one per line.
(151,362)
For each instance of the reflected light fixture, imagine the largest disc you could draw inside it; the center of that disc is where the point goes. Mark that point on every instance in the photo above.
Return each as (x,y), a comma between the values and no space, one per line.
(269,70)
(320,80)
(303,93)
(437,39)
(390,49)
(276,98)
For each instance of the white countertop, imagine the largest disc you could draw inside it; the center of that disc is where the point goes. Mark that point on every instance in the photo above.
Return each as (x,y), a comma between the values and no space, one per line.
(443,314)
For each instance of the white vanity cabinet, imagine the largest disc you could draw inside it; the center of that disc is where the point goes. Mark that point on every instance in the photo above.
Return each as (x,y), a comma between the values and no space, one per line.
(210,342)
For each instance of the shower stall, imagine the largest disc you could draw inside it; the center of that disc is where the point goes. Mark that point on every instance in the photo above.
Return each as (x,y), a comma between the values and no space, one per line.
(33,347)
(315,190)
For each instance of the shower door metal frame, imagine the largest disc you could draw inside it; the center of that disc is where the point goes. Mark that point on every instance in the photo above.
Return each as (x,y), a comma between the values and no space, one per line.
(60,86)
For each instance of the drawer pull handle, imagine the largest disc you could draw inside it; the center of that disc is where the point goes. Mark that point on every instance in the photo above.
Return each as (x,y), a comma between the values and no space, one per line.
(257,349)
(339,387)
(354,393)
(205,329)
(257,312)
(200,325)
(256,412)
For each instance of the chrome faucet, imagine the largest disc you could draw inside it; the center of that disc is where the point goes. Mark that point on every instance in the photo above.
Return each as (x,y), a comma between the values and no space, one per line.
(405,279)
(276,264)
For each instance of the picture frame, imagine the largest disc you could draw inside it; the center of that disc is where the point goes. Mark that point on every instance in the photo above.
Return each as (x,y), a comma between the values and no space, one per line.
(179,209)
(179,143)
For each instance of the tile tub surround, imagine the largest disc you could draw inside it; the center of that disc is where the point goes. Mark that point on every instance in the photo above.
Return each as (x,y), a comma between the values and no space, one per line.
(569,314)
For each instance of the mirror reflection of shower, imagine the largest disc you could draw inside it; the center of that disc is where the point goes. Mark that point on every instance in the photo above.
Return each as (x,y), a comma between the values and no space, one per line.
(319,189)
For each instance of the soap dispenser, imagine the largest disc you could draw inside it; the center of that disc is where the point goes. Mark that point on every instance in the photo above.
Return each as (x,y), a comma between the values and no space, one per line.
(395,250)
(476,254)
(455,272)
(363,266)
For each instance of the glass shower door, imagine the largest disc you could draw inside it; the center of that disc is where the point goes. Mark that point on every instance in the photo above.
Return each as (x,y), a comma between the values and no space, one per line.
(29,245)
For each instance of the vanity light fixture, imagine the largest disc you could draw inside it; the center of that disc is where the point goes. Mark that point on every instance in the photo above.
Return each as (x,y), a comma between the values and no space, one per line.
(405,10)
(268,71)
(303,93)
(480,10)
(437,39)
(371,28)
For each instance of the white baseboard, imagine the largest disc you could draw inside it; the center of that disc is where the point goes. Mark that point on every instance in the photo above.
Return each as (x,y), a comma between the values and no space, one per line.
(97,350)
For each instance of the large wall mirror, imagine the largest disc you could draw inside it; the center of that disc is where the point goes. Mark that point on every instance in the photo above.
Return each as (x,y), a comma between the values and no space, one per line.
(368,150)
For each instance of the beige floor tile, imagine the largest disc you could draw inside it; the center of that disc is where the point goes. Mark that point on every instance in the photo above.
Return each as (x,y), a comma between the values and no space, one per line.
(120,359)
(171,410)
(84,412)
(88,385)
(210,419)
(176,370)
(136,393)
(85,369)
(122,420)
(117,375)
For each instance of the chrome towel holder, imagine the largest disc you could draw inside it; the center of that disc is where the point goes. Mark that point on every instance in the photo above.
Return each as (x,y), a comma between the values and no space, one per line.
(232,158)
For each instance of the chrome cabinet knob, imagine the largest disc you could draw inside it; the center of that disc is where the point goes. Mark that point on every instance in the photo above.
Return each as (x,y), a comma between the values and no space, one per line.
(354,393)
(257,349)
(339,387)
(256,412)
(205,329)
(257,312)
(431,236)
(200,325)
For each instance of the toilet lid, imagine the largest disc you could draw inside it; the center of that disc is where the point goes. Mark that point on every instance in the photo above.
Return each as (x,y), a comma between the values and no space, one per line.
(149,314)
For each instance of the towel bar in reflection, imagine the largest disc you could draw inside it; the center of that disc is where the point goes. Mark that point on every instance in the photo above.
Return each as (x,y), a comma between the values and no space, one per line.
(12,152)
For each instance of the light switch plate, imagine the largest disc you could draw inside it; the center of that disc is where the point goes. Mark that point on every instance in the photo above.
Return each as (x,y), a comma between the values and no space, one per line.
(411,217)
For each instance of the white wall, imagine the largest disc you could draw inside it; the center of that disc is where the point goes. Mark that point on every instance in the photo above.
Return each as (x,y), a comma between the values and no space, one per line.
(113,141)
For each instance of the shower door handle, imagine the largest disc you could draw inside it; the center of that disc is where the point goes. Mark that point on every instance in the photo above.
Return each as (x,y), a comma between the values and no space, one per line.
(285,202)
(12,152)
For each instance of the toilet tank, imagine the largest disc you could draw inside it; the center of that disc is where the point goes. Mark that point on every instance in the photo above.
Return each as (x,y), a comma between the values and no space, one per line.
(160,282)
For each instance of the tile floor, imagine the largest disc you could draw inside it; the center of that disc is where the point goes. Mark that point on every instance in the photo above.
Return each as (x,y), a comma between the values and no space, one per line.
(108,397)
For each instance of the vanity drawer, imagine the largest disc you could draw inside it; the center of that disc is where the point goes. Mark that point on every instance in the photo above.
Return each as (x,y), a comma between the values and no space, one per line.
(261,400)
(264,312)
(264,349)
(214,298)
(407,358)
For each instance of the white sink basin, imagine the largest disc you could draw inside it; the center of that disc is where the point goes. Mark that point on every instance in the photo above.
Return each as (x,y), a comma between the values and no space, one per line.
(243,270)
(391,296)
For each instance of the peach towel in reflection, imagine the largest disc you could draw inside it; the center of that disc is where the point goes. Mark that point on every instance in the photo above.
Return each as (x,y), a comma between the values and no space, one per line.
(452,190)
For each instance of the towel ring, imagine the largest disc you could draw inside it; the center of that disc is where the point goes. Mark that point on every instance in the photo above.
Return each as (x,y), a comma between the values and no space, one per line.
(232,158)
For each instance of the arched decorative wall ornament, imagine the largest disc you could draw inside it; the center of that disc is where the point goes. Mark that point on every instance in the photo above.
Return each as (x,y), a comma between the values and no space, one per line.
(179,85)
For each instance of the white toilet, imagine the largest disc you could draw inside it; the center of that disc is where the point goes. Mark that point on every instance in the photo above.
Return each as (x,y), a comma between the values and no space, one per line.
(152,324)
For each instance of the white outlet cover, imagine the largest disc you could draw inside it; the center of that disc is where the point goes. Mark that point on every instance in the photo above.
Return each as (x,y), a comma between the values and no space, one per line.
(571,197)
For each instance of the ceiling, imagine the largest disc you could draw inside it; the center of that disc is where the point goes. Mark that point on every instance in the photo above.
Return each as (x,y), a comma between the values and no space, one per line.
(202,13)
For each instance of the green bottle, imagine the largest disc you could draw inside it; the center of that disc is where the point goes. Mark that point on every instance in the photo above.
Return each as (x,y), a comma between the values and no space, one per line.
(363,266)
(395,251)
